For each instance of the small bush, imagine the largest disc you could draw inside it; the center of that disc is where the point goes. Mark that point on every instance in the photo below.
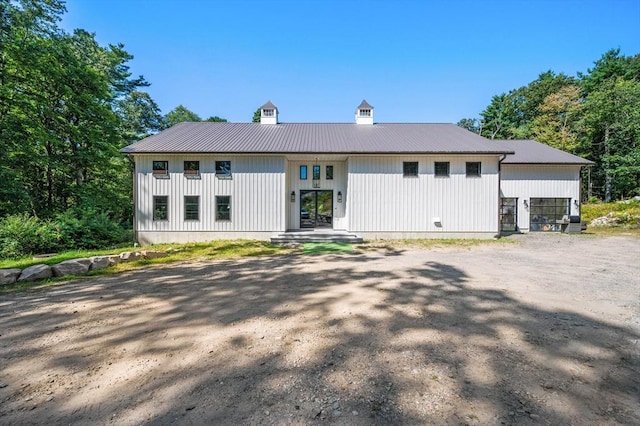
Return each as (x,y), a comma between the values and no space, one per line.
(22,235)
(89,229)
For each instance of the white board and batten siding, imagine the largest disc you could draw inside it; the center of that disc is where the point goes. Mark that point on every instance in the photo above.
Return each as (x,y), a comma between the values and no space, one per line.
(337,184)
(524,181)
(256,188)
(382,203)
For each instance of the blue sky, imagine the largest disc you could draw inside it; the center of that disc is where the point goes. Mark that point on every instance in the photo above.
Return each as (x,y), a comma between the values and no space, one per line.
(414,61)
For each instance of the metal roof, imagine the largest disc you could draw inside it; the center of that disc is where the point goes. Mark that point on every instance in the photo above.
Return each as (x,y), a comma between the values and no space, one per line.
(269,105)
(533,152)
(363,105)
(298,138)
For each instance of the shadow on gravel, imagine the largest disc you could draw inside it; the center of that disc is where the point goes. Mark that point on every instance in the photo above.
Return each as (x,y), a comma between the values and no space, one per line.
(430,348)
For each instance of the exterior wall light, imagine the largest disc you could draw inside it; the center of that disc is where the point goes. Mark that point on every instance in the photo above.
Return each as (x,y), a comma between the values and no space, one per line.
(293,196)
(339,196)
(526,205)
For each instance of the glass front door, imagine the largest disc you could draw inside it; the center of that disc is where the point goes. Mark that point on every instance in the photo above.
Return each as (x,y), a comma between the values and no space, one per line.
(508,214)
(316,209)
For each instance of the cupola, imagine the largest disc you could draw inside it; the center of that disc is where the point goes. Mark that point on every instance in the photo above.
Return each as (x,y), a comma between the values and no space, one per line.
(269,113)
(364,113)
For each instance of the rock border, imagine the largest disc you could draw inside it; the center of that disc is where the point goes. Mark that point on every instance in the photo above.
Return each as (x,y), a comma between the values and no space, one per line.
(77,266)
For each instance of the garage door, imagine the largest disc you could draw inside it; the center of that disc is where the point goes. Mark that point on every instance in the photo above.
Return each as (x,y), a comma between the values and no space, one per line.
(548,214)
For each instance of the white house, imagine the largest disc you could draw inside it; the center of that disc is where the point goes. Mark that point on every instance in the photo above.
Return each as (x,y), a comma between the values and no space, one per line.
(204,181)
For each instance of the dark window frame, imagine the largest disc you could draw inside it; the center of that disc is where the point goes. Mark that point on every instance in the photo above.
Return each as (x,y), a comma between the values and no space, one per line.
(156,209)
(442,173)
(188,213)
(410,168)
(304,172)
(191,168)
(316,170)
(328,176)
(470,166)
(228,204)
(160,172)
(223,169)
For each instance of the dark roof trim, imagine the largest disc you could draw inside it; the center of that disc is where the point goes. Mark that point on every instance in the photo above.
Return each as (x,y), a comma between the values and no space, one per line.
(398,153)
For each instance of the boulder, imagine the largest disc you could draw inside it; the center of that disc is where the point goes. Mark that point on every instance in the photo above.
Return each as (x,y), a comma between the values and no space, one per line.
(9,276)
(99,262)
(71,267)
(114,259)
(130,256)
(147,254)
(35,272)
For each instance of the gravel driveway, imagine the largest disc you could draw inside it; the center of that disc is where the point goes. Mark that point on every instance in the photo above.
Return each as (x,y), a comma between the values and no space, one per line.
(541,331)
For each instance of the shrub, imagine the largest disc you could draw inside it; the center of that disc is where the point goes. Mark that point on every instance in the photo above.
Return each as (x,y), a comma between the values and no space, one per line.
(89,229)
(23,235)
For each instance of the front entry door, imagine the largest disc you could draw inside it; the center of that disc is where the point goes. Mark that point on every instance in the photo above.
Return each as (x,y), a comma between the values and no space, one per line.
(316,209)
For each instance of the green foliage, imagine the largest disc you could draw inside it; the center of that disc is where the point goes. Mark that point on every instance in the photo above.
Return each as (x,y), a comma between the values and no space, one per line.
(21,235)
(88,228)
(180,114)
(471,124)
(596,116)
(216,119)
(256,116)
(627,212)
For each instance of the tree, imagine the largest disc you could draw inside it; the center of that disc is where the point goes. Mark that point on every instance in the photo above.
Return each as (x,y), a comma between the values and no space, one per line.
(256,116)
(612,123)
(180,114)
(62,119)
(471,124)
(140,116)
(216,119)
(557,123)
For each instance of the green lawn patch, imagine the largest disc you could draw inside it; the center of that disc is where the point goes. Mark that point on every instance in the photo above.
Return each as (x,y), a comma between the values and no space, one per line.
(323,248)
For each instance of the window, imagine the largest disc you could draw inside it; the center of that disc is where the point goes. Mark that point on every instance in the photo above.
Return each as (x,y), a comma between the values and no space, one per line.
(223,207)
(223,169)
(191,207)
(473,168)
(303,172)
(160,207)
(161,168)
(192,168)
(329,172)
(267,112)
(365,113)
(410,168)
(316,172)
(442,168)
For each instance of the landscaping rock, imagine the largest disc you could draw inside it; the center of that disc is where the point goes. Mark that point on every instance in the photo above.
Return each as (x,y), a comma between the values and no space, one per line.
(153,254)
(129,256)
(35,272)
(114,259)
(99,262)
(9,276)
(71,267)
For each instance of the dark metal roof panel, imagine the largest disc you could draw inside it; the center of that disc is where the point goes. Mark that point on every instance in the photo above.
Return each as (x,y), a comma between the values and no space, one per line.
(316,138)
(269,105)
(363,105)
(533,152)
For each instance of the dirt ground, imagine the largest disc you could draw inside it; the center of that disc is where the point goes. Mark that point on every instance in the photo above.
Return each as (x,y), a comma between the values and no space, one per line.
(542,331)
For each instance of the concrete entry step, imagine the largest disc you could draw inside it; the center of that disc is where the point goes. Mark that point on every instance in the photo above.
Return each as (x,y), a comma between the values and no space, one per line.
(315,236)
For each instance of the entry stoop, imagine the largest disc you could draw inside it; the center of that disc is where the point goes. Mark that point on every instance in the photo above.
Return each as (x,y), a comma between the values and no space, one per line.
(316,236)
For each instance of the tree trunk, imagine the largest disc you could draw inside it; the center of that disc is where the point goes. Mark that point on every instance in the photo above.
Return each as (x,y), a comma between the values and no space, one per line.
(607,168)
